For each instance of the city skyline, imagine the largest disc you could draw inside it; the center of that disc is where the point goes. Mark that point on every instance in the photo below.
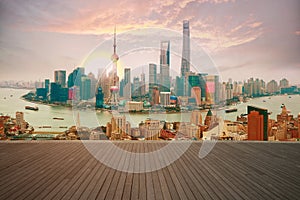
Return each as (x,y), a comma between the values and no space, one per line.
(244,39)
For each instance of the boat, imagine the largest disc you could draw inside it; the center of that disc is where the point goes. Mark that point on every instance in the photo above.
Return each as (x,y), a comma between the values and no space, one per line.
(229,110)
(58,118)
(35,108)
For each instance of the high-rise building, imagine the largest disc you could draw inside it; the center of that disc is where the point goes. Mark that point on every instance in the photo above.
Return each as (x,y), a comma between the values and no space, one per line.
(125,85)
(47,85)
(284,83)
(20,122)
(179,89)
(155,96)
(136,86)
(255,127)
(85,89)
(272,87)
(60,77)
(54,92)
(93,84)
(142,84)
(74,93)
(196,93)
(118,127)
(152,78)
(185,61)
(212,89)
(99,98)
(165,98)
(74,78)
(165,66)
(191,80)
(127,76)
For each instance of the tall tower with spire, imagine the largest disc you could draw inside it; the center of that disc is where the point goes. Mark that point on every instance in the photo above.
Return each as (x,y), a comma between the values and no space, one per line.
(113,76)
(185,61)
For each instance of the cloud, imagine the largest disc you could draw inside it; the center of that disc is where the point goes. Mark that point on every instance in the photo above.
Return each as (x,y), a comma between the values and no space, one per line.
(236,33)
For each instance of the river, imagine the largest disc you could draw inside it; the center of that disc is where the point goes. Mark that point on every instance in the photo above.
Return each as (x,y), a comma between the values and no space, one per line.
(10,102)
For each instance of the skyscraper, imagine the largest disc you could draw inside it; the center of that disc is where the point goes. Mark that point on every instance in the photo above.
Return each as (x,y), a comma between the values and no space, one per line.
(127,84)
(136,86)
(185,60)
(85,89)
(143,86)
(47,85)
(155,96)
(93,84)
(60,77)
(165,66)
(255,126)
(74,77)
(152,76)
(99,98)
(212,89)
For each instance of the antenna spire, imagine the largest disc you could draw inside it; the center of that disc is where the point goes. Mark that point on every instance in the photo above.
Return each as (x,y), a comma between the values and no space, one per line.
(115,43)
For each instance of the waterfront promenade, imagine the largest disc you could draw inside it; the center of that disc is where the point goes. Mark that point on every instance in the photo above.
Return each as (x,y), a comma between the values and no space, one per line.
(232,170)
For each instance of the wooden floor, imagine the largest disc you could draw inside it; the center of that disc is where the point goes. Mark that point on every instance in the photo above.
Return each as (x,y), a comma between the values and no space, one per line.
(66,170)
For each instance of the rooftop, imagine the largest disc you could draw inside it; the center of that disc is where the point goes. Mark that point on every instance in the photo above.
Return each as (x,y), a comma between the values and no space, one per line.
(232,170)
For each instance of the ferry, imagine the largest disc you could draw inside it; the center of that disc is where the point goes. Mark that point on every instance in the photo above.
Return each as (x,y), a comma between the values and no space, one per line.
(58,118)
(35,108)
(229,110)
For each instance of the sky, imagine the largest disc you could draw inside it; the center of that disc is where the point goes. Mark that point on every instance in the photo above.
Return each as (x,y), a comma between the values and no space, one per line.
(238,39)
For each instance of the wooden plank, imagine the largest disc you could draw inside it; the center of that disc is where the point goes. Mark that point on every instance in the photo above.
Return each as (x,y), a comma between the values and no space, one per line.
(232,170)
(34,176)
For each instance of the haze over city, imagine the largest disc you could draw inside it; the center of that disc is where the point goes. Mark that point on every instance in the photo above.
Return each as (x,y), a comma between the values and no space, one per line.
(244,39)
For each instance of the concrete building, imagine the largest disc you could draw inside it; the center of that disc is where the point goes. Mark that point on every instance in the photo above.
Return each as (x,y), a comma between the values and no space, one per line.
(255,126)
(165,98)
(150,129)
(165,66)
(60,77)
(118,127)
(196,93)
(93,86)
(264,113)
(143,84)
(272,87)
(152,76)
(85,88)
(185,60)
(196,117)
(283,83)
(127,84)
(133,106)
(212,89)
(155,96)
(99,98)
(20,122)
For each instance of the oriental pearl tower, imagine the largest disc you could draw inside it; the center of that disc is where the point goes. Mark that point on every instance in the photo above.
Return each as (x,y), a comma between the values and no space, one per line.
(113,77)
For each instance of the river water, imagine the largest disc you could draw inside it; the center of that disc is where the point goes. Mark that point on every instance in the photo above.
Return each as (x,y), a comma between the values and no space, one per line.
(10,102)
